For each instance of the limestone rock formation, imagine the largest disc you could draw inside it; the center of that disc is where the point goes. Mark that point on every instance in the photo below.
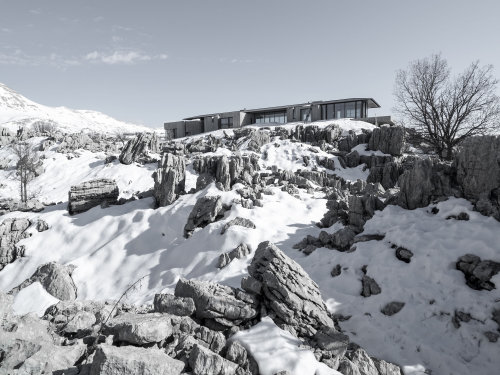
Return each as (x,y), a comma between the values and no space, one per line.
(388,139)
(203,362)
(92,193)
(258,139)
(55,278)
(131,360)
(12,231)
(139,329)
(205,211)
(138,149)
(426,181)
(170,179)
(225,305)
(170,304)
(288,291)
(239,252)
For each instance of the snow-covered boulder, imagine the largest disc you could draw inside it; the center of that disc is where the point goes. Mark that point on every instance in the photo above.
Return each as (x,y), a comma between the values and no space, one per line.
(288,291)
(93,193)
(170,179)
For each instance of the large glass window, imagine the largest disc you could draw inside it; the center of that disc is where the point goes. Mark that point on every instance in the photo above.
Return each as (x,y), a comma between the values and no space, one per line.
(270,117)
(305,114)
(359,109)
(350,109)
(225,122)
(339,110)
(327,112)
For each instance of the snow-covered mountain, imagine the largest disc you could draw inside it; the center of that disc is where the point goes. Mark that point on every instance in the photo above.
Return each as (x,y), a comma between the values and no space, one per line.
(18,111)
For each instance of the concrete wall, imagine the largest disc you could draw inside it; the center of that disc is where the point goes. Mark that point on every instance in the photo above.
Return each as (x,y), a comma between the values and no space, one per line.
(193,127)
(178,126)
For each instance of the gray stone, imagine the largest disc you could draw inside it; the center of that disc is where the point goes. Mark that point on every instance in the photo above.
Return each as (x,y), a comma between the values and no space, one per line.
(392,308)
(55,278)
(240,221)
(388,139)
(478,272)
(328,338)
(352,159)
(215,341)
(369,287)
(362,361)
(258,139)
(91,194)
(251,285)
(41,225)
(169,178)
(403,254)
(205,211)
(203,181)
(336,271)
(386,368)
(203,362)
(130,360)
(225,305)
(424,182)
(11,232)
(343,239)
(139,329)
(239,252)
(138,149)
(288,291)
(168,303)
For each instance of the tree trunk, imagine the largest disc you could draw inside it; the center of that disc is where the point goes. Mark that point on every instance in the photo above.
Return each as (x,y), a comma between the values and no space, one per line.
(449,152)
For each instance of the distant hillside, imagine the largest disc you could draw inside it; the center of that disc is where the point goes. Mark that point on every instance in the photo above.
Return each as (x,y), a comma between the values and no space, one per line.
(18,111)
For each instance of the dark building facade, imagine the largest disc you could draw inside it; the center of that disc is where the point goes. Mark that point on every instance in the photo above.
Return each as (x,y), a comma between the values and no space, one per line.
(356,108)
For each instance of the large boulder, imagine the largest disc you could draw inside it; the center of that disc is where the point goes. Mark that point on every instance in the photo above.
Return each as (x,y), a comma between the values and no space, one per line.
(258,139)
(140,329)
(225,305)
(55,278)
(168,303)
(130,360)
(478,173)
(388,139)
(205,211)
(170,179)
(11,232)
(239,252)
(203,362)
(288,292)
(478,272)
(137,149)
(92,193)
(427,180)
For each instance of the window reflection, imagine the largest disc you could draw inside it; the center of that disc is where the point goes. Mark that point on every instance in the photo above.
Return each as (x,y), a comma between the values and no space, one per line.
(270,117)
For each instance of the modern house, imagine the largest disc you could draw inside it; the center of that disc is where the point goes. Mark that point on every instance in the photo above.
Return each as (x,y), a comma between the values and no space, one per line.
(356,108)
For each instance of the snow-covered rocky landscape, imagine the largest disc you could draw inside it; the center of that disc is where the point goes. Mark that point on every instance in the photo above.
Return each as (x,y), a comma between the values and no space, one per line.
(318,248)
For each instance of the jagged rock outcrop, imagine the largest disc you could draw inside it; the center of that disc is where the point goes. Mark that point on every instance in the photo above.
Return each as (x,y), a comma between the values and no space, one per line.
(55,278)
(478,272)
(478,173)
(228,171)
(92,193)
(170,179)
(239,252)
(239,221)
(258,139)
(11,232)
(388,139)
(90,142)
(138,148)
(10,205)
(427,180)
(316,134)
(205,211)
(222,304)
(204,361)
(170,304)
(130,360)
(288,292)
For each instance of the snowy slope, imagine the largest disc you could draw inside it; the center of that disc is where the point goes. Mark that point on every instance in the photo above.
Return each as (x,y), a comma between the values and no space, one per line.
(17,111)
(115,246)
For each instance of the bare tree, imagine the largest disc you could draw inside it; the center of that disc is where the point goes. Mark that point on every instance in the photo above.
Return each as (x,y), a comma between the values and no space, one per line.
(443,109)
(27,166)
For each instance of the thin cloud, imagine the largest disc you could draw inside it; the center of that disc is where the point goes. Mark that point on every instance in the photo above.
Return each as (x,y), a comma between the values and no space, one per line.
(122,57)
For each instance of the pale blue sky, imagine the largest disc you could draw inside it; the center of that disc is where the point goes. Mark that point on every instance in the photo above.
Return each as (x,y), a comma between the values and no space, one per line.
(155,61)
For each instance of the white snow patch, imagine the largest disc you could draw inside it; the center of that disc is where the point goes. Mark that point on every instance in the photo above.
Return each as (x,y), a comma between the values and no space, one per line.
(277,350)
(33,299)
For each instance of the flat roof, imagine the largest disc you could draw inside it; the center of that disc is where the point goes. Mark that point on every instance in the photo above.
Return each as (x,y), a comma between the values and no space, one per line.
(371,104)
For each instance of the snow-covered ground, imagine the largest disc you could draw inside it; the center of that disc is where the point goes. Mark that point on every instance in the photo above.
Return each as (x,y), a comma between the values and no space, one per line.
(113,247)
